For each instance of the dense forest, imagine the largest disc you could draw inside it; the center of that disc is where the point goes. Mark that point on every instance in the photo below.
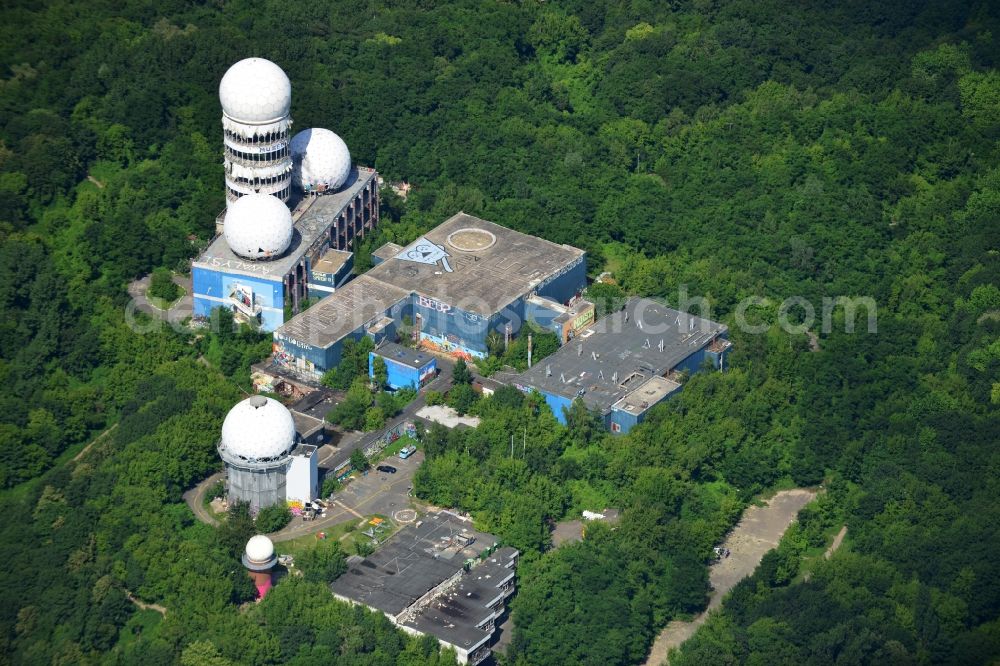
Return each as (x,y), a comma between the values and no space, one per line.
(719,149)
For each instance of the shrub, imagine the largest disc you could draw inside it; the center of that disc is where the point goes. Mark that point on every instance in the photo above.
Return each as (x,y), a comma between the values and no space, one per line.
(161,285)
(272,518)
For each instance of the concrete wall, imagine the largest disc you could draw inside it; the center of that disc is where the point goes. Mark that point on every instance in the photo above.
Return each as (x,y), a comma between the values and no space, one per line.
(259,487)
(212,289)
(302,483)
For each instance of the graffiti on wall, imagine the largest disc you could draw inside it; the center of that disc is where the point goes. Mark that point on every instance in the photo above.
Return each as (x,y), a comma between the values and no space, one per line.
(280,355)
(432,304)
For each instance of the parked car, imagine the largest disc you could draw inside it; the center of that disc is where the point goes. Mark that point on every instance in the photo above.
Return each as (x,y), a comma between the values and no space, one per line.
(407,451)
(388,469)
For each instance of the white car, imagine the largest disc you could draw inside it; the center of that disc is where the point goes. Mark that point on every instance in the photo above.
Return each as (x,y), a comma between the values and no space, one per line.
(406,452)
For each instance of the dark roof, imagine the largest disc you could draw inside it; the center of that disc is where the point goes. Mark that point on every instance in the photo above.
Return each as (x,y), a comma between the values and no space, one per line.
(414,561)
(620,353)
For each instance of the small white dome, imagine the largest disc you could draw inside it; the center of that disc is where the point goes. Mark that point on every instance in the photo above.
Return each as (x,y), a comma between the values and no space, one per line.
(255,91)
(258,226)
(321,160)
(258,429)
(259,549)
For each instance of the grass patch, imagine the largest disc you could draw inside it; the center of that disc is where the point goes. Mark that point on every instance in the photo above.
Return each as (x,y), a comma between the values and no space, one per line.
(346,534)
(397,446)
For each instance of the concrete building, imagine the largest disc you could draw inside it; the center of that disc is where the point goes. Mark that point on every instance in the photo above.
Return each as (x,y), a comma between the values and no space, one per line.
(627,362)
(265,261)
(406,368)
(455,285)
(259,446)
(438,577)
(324,229)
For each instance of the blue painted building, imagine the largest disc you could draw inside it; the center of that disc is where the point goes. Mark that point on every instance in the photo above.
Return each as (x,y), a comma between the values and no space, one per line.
(628,362)
(315,263)
(405,367)
(452,288)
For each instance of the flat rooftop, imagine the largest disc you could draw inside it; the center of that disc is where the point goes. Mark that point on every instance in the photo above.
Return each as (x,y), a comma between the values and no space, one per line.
(315,216)
(306,424)
(361,301)
(387,251)
(648,394)
(332,261)
(414,561)
(456,615)
(620,352)
(413,358)
(476,265)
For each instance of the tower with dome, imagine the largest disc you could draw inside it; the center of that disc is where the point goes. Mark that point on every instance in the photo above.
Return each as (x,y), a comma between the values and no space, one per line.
(265,462)
(294,206)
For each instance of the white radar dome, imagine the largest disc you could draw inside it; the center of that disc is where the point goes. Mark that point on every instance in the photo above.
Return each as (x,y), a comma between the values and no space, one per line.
(258,429)
(259,549)
(255,91)
(258,226)
(321,160)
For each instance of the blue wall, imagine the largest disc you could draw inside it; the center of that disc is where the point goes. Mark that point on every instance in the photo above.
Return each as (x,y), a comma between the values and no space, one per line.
(695,361)
(209,285)
(567,285)
(624,420)
(542,316)
(401,375)
(557,404)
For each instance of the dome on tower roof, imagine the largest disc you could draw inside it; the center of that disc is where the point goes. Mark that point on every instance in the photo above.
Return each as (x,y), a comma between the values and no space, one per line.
(321,160)
(259,549)
(258,226)
(255,91)
(258,429)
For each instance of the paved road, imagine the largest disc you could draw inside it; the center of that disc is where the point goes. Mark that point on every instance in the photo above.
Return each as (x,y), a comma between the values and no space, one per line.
(837,540)
(760,530)
(195,498)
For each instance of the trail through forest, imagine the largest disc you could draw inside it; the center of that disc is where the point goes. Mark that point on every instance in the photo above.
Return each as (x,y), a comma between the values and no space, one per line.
(760,530)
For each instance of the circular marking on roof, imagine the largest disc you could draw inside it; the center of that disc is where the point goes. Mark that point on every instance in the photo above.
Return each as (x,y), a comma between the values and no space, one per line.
(471,239)
(405,516)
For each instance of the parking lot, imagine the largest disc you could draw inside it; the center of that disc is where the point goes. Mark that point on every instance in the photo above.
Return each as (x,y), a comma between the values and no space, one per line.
(372,492)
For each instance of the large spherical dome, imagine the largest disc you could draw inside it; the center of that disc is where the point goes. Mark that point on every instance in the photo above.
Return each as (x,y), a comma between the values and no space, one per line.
(255,91)
(258,429)
(259,549)
(258,226)
(321,160)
